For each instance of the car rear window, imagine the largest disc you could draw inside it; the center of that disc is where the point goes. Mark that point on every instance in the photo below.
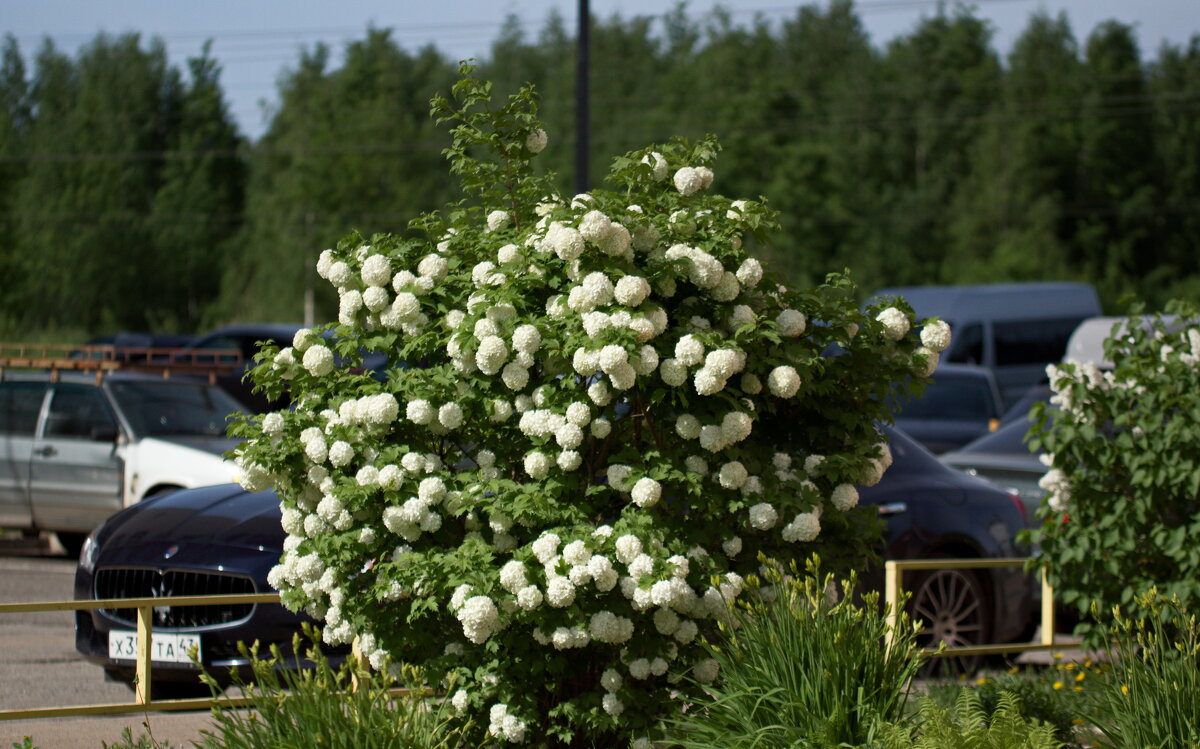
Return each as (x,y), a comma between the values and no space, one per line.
(174,408)
(954,398)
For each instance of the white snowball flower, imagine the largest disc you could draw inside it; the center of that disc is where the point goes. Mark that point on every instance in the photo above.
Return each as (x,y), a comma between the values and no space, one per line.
(706,671)
(536,141)
(545,547)
(515,377)
(658,165)
(529,597)
(420,411)
(491,354)
(377,271)
(844,497)
(805,527)
(631,291)
(673,372)
(273,423)
(639,668)
(925,362)
(628,548)
(612,704)
(479,618)
(732,475)
(895,323)
(579,413)
(527,339)
(732,547)
(783,381)
(688,181)
(450,415)
(569,460)
(689,351)
(497,220)
(340,453)
(560,592)
(595,226)
(750,273)
(512,576)
(537,465)
(601,428)
(318,360)
(646,492)
(791,323)
(687,427)
(763,516)
(935,336)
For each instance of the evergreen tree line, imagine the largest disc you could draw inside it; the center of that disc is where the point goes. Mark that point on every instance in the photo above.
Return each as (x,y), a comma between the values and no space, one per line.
(128,198)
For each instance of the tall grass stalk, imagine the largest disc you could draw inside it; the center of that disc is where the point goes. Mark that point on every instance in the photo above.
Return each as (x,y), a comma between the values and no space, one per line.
(803,666)
(1151,696)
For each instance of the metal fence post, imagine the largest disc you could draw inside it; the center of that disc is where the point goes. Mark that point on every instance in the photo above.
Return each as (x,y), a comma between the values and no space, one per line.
(144,635)
(1048,623)
(891,599)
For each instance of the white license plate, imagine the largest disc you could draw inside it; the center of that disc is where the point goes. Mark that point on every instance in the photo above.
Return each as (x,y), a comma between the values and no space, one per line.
(165,647)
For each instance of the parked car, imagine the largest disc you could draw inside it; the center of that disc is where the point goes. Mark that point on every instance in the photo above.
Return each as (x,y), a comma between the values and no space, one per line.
(1003,458)
(935,511)
(246,338)
(960,404)
(1013,329)
(212,540)
(76,448)
(225,540)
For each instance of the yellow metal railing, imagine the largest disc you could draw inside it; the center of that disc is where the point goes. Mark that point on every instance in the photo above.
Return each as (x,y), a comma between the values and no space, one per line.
(142,701)
(141,697)
(892,589)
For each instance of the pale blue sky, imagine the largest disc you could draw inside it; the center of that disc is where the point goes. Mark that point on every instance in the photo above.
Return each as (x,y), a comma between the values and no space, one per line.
(255,39)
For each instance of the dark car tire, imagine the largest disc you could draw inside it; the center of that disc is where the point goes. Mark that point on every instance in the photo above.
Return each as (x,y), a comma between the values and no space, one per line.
(954,608)
(72,543)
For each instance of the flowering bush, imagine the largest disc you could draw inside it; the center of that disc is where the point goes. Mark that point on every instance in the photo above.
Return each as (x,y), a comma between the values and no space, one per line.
(601,411)
(1123,453)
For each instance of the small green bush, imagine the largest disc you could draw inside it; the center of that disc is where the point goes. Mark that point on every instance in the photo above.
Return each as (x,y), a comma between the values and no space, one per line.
(321,706)
(969,726)
(806,669)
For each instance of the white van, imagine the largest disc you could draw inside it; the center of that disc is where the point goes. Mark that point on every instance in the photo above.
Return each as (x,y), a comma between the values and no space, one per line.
(75,448)
(1013,329)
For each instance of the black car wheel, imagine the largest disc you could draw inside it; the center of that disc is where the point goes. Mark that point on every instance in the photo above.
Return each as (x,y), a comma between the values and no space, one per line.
(952,607)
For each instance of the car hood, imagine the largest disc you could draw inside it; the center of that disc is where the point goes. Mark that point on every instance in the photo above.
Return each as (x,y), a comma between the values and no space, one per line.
(223,515)
(214,445)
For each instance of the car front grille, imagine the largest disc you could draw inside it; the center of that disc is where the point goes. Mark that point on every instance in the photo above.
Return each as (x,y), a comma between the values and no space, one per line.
(142,582)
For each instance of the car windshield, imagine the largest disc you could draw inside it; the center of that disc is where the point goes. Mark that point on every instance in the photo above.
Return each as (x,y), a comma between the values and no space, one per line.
(955,398)
(174,408)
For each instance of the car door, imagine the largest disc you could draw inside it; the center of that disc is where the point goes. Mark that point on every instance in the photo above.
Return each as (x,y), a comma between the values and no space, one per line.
(77,469)
(20,405)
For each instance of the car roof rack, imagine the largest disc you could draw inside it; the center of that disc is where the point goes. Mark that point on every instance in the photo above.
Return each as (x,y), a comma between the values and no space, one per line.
(103,359)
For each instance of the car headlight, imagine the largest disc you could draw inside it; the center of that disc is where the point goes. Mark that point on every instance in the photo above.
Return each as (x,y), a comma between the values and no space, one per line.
(90,552)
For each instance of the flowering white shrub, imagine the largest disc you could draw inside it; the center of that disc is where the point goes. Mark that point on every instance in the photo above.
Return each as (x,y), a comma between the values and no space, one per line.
(600,412)
(1122,450)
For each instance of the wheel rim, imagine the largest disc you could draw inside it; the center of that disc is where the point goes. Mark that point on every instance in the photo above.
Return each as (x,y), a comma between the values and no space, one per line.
(949,604)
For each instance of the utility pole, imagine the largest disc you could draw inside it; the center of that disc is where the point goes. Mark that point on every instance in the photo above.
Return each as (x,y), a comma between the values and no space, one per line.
(582,129)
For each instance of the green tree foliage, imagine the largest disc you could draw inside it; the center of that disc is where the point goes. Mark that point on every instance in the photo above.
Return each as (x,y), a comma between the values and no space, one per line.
(348,148)
(197,208)
(1011,215)
(126,198)
(1118,196)
(125,171)
(15,115)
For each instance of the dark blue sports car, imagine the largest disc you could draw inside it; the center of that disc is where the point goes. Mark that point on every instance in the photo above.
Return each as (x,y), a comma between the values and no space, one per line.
(222,539)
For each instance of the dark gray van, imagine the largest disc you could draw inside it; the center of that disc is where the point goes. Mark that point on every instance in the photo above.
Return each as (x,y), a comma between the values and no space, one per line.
(1013,329)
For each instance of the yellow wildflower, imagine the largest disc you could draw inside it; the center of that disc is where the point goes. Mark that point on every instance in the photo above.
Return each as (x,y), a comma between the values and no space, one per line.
(1058,685)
